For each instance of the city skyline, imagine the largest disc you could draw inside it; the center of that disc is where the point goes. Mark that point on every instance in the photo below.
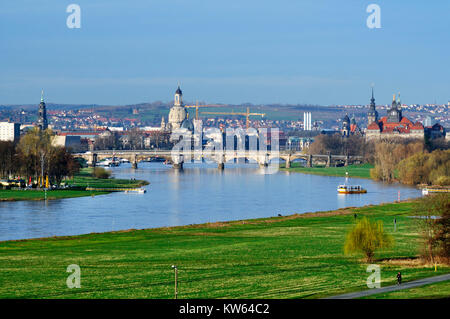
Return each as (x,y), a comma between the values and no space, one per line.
(312,53)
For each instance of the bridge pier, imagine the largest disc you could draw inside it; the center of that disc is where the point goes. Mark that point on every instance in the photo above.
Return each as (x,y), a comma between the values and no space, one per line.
(135,162)
(221,159)
(288,162)
(93,160)
(309,161)
(328,161)
(346,160)
(178,166)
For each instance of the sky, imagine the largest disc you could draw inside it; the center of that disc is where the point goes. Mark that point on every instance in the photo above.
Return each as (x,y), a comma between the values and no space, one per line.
(234,51)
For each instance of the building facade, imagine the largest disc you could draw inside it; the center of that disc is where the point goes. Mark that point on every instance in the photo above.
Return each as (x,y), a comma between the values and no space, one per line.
(9,131)
(393,125)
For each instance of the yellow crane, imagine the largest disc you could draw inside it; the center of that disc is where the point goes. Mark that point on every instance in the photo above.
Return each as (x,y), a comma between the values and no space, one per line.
(246,114)
(197,106)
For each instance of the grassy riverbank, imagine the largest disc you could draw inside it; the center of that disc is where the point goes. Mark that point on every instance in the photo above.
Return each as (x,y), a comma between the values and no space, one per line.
(360,171)
(82,180)
(16,195)
(85,179)
(298,256)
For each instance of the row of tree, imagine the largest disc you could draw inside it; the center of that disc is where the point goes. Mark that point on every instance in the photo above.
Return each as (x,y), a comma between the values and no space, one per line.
(410,161)
(34,156)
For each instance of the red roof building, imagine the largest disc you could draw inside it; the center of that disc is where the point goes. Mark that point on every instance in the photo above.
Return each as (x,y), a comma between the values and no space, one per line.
(394,125)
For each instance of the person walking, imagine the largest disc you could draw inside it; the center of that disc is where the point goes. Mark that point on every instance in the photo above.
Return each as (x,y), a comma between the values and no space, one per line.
(399,278)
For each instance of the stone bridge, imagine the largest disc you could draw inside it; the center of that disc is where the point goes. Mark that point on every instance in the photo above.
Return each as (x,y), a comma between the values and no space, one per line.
(177,158)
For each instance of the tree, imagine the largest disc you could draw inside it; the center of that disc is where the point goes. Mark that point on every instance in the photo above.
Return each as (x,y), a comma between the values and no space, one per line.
(389,153)
(434,223)
(34,149)
(8,164)
(426,168)
(136,139)
(366,237)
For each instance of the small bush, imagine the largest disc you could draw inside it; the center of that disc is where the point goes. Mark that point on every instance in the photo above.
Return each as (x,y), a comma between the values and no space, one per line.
(100,172)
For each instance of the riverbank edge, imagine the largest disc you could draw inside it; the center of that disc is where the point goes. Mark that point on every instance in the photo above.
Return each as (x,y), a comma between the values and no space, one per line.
(273,219)
(77,193)
(320,173)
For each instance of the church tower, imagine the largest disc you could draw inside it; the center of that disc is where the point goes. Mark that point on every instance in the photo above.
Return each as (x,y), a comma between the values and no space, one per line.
(372,115)
(163,124)
(345,131)
(178,101)
(177,112)
(394,114)
(42,114)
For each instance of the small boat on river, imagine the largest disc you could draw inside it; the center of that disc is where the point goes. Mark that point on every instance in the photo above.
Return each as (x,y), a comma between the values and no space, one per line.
(347,189)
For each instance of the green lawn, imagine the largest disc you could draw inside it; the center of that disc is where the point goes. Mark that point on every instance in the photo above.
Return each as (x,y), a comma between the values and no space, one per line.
(13,195)
(431,291)
(362,170)
(82,180)
(279,257)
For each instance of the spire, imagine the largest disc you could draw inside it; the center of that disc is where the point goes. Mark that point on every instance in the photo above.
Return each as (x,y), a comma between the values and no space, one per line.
(372,100)
(42,95)
(393,99)
(398,99)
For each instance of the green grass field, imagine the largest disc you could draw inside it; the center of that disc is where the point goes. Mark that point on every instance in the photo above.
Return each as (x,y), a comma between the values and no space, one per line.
(281,257)
(83,179)
(13,195)
(361,171)
(432,291)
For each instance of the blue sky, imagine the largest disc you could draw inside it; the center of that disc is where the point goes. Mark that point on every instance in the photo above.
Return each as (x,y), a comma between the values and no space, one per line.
(309,51)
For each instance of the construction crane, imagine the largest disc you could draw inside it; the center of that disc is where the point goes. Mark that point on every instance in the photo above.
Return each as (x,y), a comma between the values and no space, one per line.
(246,114)
(197,106)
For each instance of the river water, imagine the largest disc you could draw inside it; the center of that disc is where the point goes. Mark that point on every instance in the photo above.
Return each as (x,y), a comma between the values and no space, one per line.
(200,193)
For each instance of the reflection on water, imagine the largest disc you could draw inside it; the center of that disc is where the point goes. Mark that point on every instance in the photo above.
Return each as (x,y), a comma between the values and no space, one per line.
(200,193)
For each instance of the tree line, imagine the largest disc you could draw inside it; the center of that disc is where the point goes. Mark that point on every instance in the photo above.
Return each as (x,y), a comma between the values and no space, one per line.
(34,156)
(410,161)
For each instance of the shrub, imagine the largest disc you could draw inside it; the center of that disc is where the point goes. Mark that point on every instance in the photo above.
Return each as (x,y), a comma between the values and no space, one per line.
(366,237)
(100,172)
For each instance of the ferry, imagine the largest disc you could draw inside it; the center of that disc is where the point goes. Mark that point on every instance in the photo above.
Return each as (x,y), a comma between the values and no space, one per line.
(346,189)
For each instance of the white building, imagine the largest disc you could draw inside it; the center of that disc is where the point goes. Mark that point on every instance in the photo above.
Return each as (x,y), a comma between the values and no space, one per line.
(9,131)
(177,112)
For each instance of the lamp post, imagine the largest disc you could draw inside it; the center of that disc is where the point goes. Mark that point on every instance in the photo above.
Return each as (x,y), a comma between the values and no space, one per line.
(176,280)
(42,168)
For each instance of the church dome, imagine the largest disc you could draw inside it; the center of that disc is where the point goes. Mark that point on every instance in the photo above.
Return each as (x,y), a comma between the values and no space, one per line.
(178,91)
(346,119)
(187,124)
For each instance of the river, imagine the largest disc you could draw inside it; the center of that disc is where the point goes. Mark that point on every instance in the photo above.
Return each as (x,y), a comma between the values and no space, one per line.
(198,194)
